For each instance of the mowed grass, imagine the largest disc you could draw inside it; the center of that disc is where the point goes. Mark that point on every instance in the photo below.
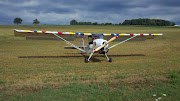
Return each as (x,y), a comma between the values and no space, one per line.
(44,70)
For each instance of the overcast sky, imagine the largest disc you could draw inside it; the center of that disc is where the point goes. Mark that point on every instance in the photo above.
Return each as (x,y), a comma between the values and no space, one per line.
(61,12)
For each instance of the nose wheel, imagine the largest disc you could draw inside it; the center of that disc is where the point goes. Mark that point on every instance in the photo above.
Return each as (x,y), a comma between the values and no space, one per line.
(86,60)
(110,60)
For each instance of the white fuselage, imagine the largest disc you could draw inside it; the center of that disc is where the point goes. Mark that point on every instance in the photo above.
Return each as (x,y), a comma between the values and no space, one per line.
(98,42)
(95,44)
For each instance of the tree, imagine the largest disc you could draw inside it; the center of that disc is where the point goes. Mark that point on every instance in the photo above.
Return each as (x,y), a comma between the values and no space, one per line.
(73,22)
(153,22)
(102,23)
(127,22)
(95,23)
(88,23)
(81,23)
(17,21)
(108,23)
(173,23)
(36,22)
(146,21)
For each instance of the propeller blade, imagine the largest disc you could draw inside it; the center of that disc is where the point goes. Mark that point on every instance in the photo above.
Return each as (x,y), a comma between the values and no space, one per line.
(97,49)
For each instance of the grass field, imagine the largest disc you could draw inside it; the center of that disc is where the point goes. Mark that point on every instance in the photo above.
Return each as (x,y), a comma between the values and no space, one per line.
(49,72)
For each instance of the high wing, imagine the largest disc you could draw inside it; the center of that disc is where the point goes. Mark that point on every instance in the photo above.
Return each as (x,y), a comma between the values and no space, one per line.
(132,34)
(23,32)
(129,36)
(124,36)
(51,33)
(113,36)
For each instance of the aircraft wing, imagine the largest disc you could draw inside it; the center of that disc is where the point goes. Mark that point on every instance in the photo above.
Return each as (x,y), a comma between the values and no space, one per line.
(22,32)
(129,37)
(141,35)
(84,34)
(132,34)
(51,33)
(124,36)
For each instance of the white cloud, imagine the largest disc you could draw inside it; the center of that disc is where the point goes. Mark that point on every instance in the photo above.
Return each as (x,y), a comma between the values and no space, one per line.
(23,4)
(101,11)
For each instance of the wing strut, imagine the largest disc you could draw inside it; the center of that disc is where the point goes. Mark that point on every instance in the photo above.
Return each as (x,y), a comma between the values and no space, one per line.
(67,42)
(122,41)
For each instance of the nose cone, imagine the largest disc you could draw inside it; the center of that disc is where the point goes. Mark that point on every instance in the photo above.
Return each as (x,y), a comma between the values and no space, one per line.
(99,42)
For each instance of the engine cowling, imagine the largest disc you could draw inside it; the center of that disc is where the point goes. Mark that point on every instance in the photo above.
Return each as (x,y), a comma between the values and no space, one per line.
(99,42)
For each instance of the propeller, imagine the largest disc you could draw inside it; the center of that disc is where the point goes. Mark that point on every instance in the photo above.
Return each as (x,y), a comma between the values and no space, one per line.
(97,49)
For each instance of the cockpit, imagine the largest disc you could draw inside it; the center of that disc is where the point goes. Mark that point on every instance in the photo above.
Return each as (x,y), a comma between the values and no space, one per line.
(97,36)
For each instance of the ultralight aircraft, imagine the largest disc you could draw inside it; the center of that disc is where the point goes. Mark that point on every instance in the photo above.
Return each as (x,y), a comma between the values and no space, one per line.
(96,45)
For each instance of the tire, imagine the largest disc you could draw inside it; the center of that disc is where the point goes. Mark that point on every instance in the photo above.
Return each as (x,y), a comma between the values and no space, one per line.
(86,60)
(110,59)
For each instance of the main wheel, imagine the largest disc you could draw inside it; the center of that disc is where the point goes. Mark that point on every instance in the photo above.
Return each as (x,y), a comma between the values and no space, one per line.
(110,59)
(86,60)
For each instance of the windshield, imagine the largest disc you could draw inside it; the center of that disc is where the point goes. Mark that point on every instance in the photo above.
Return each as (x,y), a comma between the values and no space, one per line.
(97,36)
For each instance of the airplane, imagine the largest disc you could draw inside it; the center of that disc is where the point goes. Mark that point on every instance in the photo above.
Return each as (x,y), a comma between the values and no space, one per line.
(97,44)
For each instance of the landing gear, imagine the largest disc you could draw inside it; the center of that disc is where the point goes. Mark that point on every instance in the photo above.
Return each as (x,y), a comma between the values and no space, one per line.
(110,60)
(86,60)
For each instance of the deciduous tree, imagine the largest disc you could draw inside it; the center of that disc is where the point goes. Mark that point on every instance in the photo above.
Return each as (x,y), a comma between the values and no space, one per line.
(17,21)
(36,21)
(73,22)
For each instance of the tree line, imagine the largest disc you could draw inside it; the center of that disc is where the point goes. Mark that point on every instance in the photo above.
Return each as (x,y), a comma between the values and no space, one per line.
(140,21)
(151,22)
(19,21)
(74,22)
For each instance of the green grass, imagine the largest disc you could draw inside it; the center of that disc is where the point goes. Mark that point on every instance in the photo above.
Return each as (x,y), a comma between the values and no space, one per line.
(138,69)
(78,92)
(121,76)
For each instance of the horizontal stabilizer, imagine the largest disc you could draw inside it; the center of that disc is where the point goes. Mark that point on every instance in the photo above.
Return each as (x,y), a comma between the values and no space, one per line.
(70,47)
(48,38)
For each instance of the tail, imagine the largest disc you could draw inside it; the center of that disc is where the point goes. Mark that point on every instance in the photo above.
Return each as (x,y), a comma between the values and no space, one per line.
(82,43)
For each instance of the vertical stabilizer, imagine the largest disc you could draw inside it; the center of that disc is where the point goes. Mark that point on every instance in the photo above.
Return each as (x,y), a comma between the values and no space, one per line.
(82,43)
